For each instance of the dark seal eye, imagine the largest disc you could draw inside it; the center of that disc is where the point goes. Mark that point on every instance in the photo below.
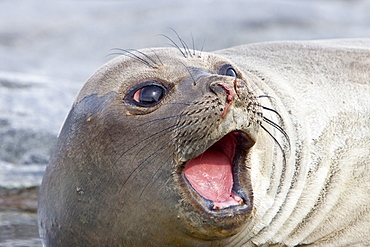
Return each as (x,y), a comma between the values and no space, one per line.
(147,94)
(228,70)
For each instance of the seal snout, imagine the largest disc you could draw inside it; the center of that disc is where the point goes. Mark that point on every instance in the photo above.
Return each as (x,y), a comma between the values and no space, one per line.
(213,169)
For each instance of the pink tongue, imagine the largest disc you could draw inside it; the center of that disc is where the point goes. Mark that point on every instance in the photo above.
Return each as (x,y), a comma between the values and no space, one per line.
(211,176)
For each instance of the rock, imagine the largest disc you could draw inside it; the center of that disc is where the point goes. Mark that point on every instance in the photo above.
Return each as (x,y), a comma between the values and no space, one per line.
(20,199)
(32,110)
(18,229)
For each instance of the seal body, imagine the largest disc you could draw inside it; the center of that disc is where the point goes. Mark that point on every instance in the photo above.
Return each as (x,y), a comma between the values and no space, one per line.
(262,144)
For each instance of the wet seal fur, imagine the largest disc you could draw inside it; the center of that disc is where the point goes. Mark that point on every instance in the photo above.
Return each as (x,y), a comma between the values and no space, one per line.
(292,117)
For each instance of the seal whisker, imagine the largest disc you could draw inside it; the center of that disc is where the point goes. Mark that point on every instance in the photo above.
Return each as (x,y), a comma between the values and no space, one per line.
(142,53)
(141,141)
(192,77)
(157,56)
(275,140)
(152,177)
(173,43)
(178,103)
(159,119)
(184,45)
(139,168)
(157,135)
(155,153)
(130,54)
(115,54)
(201,49)
(130,51)
(264,96)
(272,110)
(192,40)
(278,127)
(162,132)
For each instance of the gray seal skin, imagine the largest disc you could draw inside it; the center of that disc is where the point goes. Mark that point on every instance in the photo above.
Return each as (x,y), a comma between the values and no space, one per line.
(257,145)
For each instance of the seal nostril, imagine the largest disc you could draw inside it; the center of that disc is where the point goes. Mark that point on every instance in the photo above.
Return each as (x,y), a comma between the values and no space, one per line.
(220,89)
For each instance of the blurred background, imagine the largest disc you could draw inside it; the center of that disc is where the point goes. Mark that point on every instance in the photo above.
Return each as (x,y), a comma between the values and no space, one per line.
(48,49)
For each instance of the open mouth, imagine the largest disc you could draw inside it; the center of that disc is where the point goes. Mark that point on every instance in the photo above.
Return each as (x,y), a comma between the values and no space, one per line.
(215,174)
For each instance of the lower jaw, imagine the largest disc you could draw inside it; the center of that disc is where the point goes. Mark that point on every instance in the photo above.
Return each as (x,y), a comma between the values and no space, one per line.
(204,222)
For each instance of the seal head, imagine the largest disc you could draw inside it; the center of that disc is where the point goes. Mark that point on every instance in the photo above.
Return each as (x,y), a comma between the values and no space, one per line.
(154,150)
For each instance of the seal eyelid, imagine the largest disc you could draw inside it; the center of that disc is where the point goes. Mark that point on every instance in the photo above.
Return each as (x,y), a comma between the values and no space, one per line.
(228,70)
(231,72)
(147,94)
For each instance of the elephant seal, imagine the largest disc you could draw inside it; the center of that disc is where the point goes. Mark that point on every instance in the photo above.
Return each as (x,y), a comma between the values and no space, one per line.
(258,145)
